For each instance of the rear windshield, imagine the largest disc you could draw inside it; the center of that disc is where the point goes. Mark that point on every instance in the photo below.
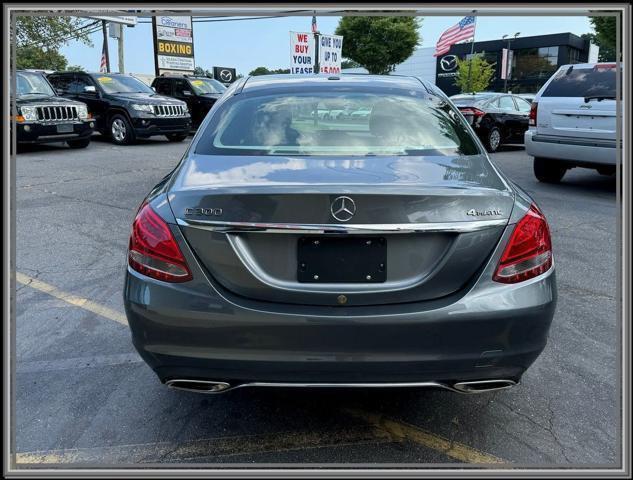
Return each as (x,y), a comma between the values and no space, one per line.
(598,81)
(469,99)
(337,123)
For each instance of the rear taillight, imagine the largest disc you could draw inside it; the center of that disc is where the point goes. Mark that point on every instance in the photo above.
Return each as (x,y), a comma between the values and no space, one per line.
(475,112)
(153,249)
(533,111)
(529,250)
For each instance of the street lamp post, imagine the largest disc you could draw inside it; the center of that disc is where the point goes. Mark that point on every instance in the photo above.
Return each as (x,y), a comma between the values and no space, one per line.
(507,65)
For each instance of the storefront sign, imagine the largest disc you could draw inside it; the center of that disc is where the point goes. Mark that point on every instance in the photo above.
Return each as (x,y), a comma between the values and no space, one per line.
(173,44)
(225,75)
(330,49)
(302,53)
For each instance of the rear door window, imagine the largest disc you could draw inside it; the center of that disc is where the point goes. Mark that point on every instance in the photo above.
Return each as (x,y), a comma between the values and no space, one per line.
(506,103)
(523,104)
(583,82)
(61,82)
(163,86)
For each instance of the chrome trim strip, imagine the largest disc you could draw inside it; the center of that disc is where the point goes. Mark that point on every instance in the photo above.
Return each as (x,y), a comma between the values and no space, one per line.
(234,227)
(222,387)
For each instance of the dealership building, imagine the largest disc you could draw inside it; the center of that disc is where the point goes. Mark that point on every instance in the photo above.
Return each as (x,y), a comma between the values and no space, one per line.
(532,60)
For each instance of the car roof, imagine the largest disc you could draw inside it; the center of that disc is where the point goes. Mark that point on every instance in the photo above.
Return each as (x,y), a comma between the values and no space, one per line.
(284,81)
(586,65)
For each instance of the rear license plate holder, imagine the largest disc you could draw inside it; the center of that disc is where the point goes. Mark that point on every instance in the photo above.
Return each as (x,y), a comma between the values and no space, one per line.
(65,128)
(333,259)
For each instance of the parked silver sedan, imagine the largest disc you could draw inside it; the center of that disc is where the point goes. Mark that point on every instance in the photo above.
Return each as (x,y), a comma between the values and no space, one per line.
(389,252)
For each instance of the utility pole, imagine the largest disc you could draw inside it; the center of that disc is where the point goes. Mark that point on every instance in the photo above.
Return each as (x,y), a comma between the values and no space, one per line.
(315,32)
(121,60)
(472,51)
(105,44)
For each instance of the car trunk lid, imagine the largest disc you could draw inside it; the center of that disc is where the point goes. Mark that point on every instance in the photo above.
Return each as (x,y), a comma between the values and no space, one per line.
(432,222)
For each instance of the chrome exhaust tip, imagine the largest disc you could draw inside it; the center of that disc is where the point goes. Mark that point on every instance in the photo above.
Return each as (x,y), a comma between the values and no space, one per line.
(198,386)
(481,386)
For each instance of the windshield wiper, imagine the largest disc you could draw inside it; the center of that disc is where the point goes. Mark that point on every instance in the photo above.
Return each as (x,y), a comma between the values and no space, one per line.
(599,97)
(35,93)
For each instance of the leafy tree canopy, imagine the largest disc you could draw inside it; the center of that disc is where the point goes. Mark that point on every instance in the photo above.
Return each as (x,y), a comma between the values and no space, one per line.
(604,37)
(480,76)
(35,57)
(39,38)
(266,71)
(379,43)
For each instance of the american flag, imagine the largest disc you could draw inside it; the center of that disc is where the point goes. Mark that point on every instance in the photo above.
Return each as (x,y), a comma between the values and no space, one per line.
(314,24)
(103,68)
(463,30)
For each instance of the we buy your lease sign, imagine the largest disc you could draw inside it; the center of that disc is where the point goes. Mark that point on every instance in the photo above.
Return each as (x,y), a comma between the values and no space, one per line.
(301,52)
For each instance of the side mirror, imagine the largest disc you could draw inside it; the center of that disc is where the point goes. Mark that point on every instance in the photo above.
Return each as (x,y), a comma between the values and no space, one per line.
(90,89)
(186,93)
(154,88)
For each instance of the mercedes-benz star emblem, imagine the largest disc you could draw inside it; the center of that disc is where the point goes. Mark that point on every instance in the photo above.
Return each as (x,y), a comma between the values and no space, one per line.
(448,63)
(226,75)
(343,208)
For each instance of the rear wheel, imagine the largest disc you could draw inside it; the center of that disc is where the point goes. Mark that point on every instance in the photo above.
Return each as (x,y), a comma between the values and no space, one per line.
(121,132)
(176,137)
(83,143)
(493,140)
(608,170)
(548,170)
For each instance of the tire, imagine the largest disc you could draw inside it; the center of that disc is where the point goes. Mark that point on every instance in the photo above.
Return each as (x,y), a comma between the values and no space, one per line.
(547,170)
(608,170)
(120,130)
(83,143)
(176,137)
(493,140)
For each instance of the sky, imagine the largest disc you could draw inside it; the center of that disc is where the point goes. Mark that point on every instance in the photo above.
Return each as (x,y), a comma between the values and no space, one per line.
(247,44)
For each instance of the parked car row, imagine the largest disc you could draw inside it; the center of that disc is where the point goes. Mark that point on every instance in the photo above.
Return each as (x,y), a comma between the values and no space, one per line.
(570,122)
(70,106)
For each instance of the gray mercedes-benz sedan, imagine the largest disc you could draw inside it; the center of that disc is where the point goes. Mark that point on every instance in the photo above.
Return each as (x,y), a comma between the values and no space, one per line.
(289,248)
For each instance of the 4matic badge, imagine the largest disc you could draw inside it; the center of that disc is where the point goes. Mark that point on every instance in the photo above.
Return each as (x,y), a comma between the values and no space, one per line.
(483,213)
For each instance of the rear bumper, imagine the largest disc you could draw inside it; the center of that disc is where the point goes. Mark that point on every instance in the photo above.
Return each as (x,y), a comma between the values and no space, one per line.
(193,332)
(575,151)
(47,133)
(149,126)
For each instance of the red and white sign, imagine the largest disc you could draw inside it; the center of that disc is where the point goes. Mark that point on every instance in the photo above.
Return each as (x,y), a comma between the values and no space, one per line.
(301,53)
(330,53)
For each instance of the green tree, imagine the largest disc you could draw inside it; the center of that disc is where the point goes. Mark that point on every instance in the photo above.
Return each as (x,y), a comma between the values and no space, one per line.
(266,71)
(379,43)
(39,38)
(604,37)
(36,57)
(480,76)
(201,72)
(349,64)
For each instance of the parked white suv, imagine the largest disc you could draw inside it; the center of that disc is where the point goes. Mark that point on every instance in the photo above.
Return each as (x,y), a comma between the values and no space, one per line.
(573,122)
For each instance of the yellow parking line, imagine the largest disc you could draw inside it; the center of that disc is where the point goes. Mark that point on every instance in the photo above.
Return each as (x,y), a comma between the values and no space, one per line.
(405,431)
(71,299)
(219,447)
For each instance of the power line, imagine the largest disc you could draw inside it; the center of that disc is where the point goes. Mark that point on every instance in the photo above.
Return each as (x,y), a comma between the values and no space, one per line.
(78,31)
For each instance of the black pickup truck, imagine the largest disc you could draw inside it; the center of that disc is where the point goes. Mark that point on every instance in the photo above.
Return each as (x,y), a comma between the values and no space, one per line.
(42,116)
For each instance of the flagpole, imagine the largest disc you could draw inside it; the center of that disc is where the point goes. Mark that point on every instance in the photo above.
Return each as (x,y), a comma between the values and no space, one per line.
(472,49)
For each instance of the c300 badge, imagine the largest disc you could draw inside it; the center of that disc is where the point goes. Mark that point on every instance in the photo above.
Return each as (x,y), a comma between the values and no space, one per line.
(207,212)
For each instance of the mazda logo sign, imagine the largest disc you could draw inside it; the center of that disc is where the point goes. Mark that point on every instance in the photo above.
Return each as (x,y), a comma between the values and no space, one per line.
(448,63)
(226,75)
(343,208)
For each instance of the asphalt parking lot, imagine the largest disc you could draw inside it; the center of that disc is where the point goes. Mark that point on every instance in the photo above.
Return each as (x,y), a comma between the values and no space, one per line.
(83,395)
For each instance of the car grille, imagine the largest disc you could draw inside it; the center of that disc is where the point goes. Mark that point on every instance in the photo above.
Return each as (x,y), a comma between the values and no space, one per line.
(57,113)
(170,110)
